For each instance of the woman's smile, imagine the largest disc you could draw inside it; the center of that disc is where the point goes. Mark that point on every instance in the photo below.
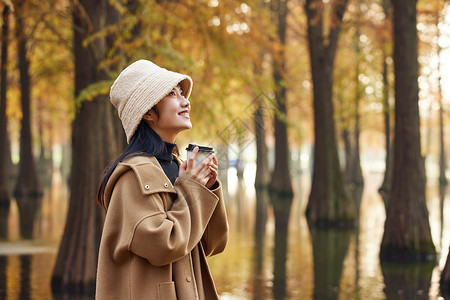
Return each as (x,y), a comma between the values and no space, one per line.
(184,113)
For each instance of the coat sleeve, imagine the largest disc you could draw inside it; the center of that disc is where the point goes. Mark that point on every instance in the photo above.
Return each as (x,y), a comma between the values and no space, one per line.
(215,237)
(165,234)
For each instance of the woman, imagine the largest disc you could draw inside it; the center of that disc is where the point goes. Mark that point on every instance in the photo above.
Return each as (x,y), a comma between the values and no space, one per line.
(163,216)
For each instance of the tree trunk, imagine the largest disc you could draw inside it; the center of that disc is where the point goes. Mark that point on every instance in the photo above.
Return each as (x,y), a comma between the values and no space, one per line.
(353,171)
(385,188)
(445,277)
(28,208)
(113,17)
(281,179)
(348,153)
(442,160)
(262,177)
(5,152)
(329,202)
(27,183)
(93,142)
(407,234)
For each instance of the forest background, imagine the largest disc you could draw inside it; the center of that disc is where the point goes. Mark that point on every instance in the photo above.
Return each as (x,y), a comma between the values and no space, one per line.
(282,75)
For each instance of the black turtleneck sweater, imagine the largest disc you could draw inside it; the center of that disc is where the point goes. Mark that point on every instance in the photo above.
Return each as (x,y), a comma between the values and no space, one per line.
(168,164)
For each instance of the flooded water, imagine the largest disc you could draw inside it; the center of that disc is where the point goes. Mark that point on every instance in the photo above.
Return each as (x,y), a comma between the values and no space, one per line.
(270,255)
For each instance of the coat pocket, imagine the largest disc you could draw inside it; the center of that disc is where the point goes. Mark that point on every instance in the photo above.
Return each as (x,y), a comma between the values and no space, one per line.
(166,291)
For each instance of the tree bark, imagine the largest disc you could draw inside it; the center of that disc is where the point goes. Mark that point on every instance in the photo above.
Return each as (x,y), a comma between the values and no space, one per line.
(262,177)
(407,234)
(5,152)
(27,183)
(353,171)
(93,144)
(281,179)
(385,187)
(445,277)
(442,161)
(329,202)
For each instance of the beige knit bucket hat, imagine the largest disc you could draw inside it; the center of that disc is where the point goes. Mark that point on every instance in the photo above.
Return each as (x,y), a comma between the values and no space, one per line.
(139,87)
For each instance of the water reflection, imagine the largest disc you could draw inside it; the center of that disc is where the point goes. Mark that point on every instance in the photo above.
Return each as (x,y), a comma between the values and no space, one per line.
(356,194)
(272,254)
(2,277)
(330,248)
(442,190)
(409,281)
(25,277)
(282,208)
(262,202)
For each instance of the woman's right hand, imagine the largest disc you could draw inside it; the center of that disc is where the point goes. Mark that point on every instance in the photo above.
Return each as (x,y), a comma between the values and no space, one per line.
(204,172)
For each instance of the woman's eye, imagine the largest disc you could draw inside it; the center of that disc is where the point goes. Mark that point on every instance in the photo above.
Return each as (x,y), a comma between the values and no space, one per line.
(172,93)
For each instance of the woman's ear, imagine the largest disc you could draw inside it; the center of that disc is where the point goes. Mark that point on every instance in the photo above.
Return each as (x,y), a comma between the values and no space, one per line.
(150,117)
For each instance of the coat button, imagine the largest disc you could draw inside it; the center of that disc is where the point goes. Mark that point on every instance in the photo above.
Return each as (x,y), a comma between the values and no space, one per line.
(146,186)
(166,184)
(188,279)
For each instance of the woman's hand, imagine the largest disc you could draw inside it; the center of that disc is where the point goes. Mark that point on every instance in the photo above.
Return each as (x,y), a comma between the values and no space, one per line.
(205,172)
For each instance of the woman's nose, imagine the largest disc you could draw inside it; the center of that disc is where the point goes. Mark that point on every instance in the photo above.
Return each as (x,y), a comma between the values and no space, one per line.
(185,102)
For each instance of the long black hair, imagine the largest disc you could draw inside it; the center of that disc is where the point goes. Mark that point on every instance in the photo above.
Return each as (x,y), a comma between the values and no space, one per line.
(144,142)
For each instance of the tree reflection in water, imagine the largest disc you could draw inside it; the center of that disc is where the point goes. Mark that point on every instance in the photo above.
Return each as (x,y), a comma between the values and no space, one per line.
(442,191)
(3,261)
(282,208)
(330,248)
(264,259)
(25,278)
(408,281)
(262,202)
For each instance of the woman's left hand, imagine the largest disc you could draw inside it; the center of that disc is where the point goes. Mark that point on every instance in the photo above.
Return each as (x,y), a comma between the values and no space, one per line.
(213,167)
(205,172)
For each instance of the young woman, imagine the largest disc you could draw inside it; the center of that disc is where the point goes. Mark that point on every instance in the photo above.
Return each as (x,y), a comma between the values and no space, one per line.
(163,216)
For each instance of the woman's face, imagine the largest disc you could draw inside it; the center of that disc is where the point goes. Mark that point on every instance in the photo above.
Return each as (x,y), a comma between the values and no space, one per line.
(173,111)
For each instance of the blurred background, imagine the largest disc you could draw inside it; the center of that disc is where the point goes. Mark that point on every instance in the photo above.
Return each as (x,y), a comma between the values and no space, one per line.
(329,119)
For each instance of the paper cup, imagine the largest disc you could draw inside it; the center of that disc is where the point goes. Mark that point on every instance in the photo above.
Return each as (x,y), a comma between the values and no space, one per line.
(203,152)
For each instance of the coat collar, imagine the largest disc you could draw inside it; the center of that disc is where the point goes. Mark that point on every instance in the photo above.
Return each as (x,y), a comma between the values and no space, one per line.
(149,174)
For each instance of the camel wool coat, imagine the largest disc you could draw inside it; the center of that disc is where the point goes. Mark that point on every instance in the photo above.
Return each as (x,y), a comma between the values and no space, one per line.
(156,235)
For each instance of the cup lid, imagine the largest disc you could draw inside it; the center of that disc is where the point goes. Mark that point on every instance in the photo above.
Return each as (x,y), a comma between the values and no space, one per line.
(204,149)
